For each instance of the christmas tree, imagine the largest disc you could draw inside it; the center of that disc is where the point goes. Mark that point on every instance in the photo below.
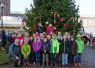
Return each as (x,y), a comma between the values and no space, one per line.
(63,14)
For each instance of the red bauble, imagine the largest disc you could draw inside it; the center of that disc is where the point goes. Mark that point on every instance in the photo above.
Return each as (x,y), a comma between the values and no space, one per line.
(62,19)
(66,26)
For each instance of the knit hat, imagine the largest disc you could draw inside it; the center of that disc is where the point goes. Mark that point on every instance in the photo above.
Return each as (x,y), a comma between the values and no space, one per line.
(26,34)
(78,35)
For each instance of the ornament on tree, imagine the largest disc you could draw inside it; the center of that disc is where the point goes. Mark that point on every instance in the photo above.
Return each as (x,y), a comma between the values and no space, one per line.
(71,19)
(62,19)
(66,26)
(47,23)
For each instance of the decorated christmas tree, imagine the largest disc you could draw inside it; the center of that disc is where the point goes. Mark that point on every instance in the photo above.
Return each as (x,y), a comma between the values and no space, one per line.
(63,14)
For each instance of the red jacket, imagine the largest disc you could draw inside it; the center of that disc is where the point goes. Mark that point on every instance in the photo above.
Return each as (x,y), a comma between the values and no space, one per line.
(21,41)
(50,30)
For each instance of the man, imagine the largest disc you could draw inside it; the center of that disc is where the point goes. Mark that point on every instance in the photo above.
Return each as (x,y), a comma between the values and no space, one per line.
(14,54)
(80,48)
(3,40)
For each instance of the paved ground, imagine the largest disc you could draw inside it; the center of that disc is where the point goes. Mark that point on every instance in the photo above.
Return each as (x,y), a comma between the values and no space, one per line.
(88,59)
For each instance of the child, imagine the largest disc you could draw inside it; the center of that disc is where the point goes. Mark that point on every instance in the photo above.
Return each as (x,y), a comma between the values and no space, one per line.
(50,29)
(32,55)
(37,46)
(80,49)
(45,50)
(54,50)
(26,49)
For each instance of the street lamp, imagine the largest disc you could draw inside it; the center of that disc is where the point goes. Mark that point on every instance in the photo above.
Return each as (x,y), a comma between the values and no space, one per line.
(2,9)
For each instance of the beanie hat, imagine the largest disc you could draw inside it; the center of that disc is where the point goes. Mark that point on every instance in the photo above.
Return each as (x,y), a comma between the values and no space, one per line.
(78,35)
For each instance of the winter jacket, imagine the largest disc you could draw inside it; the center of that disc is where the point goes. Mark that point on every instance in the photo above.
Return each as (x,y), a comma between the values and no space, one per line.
(65,45)
(30,42)
(3,38)
(40,29)
(72,48)
(80,45)
(60,45)
(37,45)
(55,46)
(26,49)
(49,42)
(14,50)
(50,30)
(21,41)
(45,47)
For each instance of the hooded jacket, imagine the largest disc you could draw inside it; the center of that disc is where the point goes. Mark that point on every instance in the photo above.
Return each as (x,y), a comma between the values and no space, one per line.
(55,46)
(21,41)
(65,45)
(37,45)
(14,50)
(80,45)
(50,30)
(26,49)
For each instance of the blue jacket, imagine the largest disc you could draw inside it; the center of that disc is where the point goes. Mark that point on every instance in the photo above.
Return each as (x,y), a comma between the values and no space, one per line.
(14,50)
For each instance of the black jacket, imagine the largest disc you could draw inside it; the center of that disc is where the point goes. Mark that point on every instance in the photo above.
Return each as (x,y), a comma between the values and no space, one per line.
(65,45)
(72,48)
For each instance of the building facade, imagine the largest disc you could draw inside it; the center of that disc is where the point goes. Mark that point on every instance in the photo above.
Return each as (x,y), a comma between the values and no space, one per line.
(6,9)
(89,24)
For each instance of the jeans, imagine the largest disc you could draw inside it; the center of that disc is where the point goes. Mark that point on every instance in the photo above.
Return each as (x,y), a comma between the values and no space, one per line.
(64,58)
(26,61)
(71,59)
(38,57)
(13,62)
(53,59)
(77,58)
(32,58)
(45,59)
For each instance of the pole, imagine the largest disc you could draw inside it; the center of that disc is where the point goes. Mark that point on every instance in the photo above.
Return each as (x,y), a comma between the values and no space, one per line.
(2,17)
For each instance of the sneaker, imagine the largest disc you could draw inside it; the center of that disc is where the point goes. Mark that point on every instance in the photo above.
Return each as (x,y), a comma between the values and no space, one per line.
(75,65)
(79,64)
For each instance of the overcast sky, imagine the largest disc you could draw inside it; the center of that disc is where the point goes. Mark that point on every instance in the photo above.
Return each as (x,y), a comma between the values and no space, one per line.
(87,7)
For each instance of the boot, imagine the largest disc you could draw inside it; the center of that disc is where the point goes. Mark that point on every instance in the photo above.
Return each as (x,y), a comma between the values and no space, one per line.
(43,64)
(75,64)
(79,64)
(47,64)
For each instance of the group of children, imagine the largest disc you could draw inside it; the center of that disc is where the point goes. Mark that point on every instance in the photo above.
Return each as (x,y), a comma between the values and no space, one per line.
(43,49)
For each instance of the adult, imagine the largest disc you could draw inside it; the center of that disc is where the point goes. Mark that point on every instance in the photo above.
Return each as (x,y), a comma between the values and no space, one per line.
(14,53)
(3,40)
